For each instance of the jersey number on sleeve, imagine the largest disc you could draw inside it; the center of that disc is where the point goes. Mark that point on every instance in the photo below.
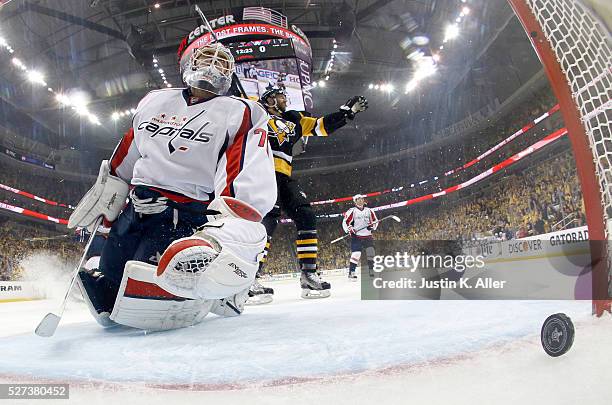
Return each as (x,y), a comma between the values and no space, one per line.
(264,136)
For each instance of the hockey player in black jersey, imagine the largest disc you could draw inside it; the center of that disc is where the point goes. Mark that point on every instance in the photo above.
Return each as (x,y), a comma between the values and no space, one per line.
(285,128)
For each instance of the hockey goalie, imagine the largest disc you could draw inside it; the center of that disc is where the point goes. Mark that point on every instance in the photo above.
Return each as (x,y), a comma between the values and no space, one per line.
(197,174)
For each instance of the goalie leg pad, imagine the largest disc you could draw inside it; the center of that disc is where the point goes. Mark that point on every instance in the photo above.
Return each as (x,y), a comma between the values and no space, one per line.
(216,262)
(143,304)
(107,197)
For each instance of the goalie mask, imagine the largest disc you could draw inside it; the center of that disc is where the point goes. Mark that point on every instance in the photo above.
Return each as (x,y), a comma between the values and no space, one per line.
(209,68)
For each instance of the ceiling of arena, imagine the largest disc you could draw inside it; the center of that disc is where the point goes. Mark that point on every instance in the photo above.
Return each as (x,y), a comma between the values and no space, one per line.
(104,49)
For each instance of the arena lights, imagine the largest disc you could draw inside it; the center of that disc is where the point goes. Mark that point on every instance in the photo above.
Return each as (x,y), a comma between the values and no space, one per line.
(320,83)
(36,77)
(78,100)
(62,99)
(411,85)
(332,58)
(17,62)
(383,87)
(4,44)
(427,65)
(161,72)
(120,114)
(451,32)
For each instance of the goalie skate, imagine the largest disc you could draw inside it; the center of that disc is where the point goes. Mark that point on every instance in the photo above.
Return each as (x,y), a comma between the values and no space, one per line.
(259,295)
(313,287)
(88,282)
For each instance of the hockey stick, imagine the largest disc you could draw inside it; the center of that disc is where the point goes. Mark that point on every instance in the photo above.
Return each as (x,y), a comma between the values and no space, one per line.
(49,323)
(47,238)
(212,33)
(393,217)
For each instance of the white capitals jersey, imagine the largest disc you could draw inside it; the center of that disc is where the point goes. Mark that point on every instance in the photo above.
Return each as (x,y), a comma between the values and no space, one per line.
(360,218)
(199,148)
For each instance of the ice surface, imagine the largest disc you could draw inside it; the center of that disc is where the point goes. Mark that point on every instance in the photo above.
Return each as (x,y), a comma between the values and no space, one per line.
(357,351)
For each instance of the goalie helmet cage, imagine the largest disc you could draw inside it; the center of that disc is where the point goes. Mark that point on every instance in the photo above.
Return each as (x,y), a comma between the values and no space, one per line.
(574,48)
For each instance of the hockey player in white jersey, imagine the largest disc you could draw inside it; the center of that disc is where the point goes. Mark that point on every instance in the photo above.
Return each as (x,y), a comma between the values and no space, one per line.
(360,221)
(198,175)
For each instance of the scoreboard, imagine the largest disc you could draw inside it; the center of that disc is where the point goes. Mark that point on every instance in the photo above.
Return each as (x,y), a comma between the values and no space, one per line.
(268,50)
(262,49)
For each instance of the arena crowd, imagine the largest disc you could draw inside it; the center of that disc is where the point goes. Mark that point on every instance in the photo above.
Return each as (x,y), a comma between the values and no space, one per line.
(538,195)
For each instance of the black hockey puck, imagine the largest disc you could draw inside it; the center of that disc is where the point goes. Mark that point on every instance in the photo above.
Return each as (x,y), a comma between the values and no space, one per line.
(557,334)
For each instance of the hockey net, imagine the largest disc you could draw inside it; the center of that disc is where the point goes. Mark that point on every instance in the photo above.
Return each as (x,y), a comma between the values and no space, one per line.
(573,45)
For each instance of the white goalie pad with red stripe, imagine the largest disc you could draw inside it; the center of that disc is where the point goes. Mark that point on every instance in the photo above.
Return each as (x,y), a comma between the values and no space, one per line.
(218,261)
(145,305)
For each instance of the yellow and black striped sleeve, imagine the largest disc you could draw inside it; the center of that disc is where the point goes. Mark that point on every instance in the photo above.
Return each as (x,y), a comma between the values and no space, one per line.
(323,126)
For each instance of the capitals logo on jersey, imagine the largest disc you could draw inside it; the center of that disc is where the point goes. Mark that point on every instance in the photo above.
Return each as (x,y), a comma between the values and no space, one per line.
(174,129)
(282,129)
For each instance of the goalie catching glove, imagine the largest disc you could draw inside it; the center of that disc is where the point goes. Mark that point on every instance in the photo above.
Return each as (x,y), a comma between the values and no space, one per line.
(220,259)
(106,197)
(353,106)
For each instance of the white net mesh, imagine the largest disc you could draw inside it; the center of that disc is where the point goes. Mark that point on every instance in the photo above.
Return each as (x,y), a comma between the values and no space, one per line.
(581,44)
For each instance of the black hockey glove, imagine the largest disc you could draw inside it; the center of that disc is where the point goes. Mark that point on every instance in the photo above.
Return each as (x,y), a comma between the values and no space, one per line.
(353,106)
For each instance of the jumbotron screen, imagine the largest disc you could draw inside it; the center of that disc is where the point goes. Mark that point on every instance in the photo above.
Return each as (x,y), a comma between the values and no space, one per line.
(269,63)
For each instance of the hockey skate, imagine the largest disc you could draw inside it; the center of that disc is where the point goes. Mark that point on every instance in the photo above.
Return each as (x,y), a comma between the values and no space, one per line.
(92,288)
(259,295)
(352,276)
(313,286)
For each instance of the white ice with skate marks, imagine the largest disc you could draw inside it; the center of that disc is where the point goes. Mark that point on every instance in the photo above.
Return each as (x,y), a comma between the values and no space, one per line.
(341,341)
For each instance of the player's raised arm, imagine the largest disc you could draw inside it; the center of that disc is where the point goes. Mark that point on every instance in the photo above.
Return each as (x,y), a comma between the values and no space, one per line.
(246,169)
(329,123)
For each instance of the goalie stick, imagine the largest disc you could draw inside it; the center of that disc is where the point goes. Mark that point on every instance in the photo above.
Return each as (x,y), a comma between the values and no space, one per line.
(48,325)
(393,217)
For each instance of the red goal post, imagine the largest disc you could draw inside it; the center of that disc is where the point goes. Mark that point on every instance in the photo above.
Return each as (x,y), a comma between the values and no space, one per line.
(573,45)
